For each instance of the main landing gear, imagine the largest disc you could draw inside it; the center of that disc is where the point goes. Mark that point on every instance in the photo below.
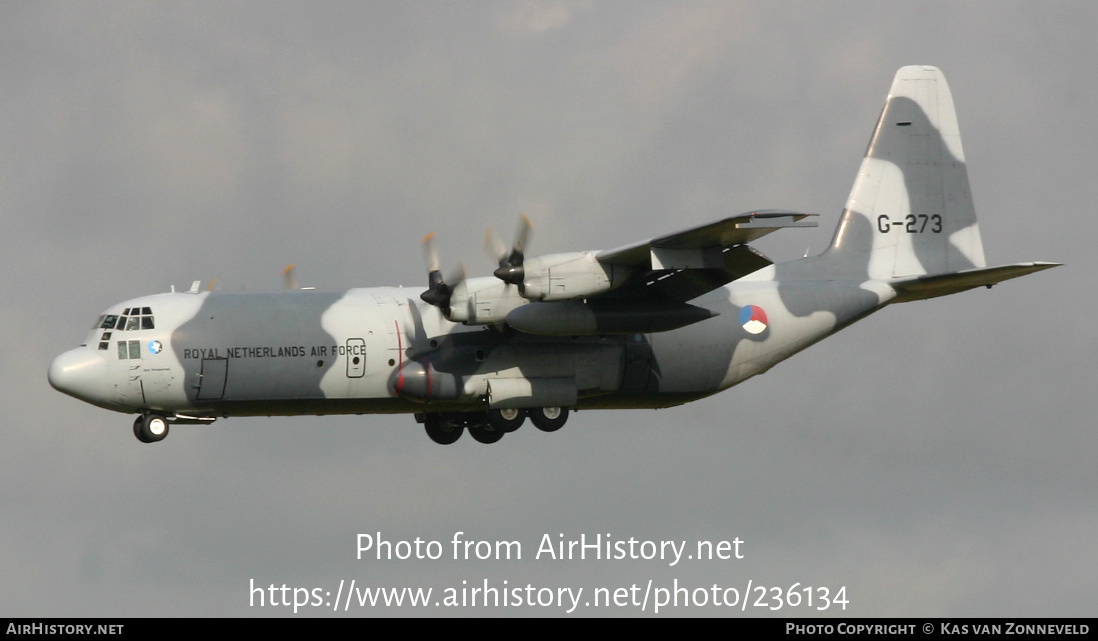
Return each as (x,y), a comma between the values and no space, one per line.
(150,428)
(489,427)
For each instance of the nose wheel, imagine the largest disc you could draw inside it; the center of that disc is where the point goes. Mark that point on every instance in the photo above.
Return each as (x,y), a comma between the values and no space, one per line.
(150,428)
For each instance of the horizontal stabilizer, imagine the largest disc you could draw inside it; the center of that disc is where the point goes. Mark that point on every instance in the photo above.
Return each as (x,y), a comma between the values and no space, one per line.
(941,285)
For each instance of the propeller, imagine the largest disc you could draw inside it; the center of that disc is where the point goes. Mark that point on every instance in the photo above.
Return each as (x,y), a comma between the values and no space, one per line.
(510,263)
(438,291)
(289,278)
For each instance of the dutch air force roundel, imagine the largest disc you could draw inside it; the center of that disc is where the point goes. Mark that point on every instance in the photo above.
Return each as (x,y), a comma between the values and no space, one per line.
(753,319)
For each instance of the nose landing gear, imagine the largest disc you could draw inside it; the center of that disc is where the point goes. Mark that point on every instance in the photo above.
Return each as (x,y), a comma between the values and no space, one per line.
(150,428)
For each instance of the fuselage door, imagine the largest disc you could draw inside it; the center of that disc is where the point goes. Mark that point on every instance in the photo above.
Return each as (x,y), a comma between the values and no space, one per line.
(211,380)
(356,358)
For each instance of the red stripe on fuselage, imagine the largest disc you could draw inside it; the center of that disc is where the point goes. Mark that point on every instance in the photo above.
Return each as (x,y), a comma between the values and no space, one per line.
(400,360)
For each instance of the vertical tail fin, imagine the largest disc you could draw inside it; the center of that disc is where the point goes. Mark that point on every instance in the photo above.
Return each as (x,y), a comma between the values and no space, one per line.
(910,211)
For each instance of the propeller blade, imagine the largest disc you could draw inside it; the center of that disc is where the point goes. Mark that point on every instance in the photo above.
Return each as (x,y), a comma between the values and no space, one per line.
(457,276)
(495,248)
(289,278)
(430,253)
(510,264)
(439,289)
(521,238)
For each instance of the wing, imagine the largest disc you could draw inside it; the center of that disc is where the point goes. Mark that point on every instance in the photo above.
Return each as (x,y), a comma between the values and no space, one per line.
(643,287)
(689,263)
(737,230)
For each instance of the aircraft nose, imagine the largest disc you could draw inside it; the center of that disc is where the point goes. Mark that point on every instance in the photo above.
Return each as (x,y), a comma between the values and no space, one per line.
(79,372)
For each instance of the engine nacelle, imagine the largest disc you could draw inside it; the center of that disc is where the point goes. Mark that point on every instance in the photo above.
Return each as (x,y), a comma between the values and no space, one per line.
(420,381)
(559,277)
(481,301)
(556,277)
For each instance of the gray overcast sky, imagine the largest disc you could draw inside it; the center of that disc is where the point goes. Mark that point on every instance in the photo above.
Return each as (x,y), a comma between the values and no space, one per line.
(937,459)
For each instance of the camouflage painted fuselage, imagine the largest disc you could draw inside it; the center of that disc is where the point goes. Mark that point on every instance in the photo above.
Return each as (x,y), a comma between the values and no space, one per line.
(370,351)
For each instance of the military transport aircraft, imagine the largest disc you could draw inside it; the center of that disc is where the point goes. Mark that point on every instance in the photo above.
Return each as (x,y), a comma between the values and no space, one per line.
(649,325)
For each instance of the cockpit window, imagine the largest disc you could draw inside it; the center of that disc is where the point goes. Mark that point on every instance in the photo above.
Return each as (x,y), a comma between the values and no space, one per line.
(132,319)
